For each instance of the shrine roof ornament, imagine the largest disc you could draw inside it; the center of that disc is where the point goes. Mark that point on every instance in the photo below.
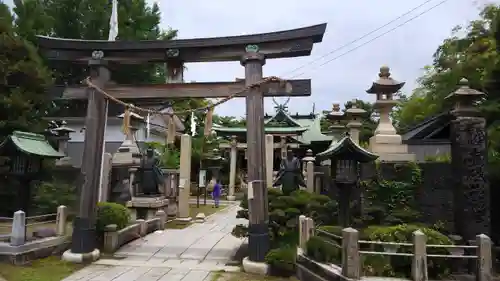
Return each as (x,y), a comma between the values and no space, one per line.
(32,144)
(346,148)
(280,44)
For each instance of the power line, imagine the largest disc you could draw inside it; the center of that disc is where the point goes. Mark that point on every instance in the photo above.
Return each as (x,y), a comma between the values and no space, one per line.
(375,38)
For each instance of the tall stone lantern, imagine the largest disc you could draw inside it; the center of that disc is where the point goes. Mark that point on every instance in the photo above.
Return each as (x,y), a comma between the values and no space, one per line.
(386,142)
(129,154)
(63,132)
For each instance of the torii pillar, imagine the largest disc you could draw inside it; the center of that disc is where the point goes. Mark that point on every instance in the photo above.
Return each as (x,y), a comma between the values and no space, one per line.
(258,234)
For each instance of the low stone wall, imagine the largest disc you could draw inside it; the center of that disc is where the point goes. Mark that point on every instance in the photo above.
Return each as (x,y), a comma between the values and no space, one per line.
(310,270)
(20,250)
(114,238)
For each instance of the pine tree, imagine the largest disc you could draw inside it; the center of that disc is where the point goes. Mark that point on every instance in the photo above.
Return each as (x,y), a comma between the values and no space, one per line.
(23,81)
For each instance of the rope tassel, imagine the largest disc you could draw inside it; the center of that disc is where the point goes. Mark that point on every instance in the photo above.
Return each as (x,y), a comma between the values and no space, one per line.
(126,121)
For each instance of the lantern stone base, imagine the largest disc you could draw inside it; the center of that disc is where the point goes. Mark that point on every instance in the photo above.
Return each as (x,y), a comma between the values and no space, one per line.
(146,207)
(259,268)
(390,148)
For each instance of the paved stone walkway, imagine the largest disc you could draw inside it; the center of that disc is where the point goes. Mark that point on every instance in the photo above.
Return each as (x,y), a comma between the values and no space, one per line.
(172,255)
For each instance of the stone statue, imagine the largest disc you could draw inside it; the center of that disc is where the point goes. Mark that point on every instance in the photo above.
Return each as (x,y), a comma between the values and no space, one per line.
(149,175)
(290,174)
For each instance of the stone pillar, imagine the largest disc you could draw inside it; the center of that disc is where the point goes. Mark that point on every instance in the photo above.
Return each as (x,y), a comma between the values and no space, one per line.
(232,168)
(61,220)
(258,233)
(269,160)
(185,178)
(18,233)
(350,254)
(106,175)
(310,176)
(469,159)
(83,246)
(484,259)
(419,264)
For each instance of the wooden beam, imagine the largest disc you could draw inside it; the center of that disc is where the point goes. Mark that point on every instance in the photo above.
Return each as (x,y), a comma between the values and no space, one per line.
(294,88)
(244,145)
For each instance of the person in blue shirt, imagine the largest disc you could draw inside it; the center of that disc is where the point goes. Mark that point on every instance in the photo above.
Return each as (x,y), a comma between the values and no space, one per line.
(216,193)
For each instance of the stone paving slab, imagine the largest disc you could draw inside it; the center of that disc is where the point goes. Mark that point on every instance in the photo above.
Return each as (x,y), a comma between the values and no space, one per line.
(188,254)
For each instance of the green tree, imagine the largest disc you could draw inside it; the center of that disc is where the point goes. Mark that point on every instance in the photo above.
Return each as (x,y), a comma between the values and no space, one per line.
(23,81)
(469,52)
(89,19)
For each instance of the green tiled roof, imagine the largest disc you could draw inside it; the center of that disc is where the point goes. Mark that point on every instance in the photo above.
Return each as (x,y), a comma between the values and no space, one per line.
(313,133)
(34,144)
(347,149)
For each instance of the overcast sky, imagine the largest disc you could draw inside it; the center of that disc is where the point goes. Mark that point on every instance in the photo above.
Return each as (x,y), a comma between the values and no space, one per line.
(406,50)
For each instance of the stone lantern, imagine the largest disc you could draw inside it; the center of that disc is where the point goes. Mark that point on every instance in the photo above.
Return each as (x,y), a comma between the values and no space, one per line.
(354,116)
(335,116)
(345,156)
(129,154)
(63,132)
(386,142)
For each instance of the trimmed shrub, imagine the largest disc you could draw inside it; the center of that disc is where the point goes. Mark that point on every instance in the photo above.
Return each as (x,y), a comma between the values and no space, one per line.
(282,261)
(321,250)
(401,266)
(111,213)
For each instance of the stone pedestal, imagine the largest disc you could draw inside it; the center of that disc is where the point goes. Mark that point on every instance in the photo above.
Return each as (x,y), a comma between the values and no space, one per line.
(146,207)
(390,148)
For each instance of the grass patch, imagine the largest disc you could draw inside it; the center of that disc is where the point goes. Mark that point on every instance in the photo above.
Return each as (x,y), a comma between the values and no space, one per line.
(241,276)
(47,269)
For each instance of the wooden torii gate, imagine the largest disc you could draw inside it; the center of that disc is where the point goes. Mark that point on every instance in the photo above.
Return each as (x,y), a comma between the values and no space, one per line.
(250,50)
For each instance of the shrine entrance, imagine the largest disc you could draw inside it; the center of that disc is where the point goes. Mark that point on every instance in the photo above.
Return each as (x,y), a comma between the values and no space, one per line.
(250,50)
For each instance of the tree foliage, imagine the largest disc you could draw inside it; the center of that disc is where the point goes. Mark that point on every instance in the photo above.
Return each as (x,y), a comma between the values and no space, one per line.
(23,81)
(89,19)
(470,52)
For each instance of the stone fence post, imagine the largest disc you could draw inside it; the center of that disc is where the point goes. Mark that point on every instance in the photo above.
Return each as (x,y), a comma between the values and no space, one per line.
(143,227)
(18,232)
(110,238)
(306,230)
(484,261)
(61,220)
(163,219)
(350,254)
(419,264)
